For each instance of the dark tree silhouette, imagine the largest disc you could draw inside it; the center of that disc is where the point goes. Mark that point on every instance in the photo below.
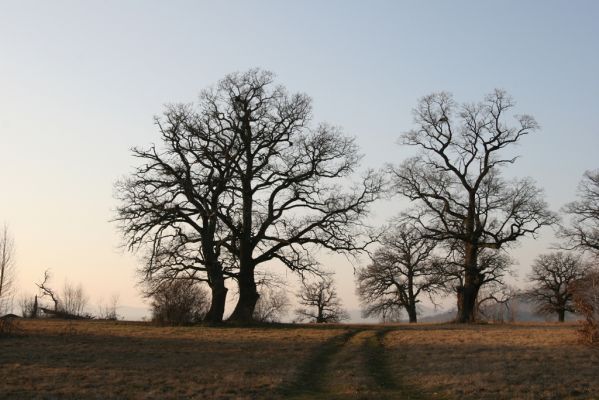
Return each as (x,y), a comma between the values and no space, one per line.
(583,231)
(48,291)
(169,205)
(457,184)
(401,270)
(288,175)
(319,302)
(553,281)
(246,173)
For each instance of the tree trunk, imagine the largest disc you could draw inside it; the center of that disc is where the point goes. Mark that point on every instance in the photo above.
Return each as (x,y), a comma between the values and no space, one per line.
(248,297)
(412,313)
(561,315)
(217,303)
(468,292)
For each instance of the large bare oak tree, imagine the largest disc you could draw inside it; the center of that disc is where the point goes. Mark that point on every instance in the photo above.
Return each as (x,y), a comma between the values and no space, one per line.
(245,179)
(457,186)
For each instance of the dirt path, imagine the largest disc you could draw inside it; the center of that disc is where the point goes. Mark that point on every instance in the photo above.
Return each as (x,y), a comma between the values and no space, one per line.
(352,365)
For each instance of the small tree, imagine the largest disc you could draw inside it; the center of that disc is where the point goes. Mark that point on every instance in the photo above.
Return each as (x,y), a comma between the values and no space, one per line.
(74,300)
(109,310)
(583,231)
(553,277)
(400,271)
(272,305)
(46,290)
(320,302)
(7,266)
(179,302)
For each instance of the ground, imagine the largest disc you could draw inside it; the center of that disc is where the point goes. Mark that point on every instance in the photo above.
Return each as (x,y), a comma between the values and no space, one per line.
(104,360)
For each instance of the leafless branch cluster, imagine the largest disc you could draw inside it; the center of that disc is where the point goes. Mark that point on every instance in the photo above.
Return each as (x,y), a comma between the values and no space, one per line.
(243,178)
(319,302)
(456,182)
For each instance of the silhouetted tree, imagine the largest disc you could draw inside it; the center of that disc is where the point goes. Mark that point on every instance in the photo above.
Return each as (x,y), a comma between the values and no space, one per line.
(401,270)
(583,231)
(170,204)
(179,302)
(288,180)
(552,278)
(247,173)
(457,184)
(46,290)
(320,302)
(7,270)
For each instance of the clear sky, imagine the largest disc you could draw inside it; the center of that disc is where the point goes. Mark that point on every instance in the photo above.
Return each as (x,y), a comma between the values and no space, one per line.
(81,81)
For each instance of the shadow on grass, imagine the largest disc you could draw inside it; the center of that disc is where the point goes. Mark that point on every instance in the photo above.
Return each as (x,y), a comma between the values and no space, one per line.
(310,382)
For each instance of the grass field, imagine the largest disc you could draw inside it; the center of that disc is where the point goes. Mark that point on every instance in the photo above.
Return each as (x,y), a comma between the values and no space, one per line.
(98,360)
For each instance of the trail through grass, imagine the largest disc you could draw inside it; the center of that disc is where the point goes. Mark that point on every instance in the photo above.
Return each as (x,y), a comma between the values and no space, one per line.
(352,365)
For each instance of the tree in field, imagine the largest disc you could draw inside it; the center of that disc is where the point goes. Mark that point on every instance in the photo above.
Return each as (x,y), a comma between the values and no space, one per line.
(245,178)
(288,181)
(583,231)
(456,182)
(402,270)
(70,304)
(7,269)
(319,302)
(170,204)
(553,280)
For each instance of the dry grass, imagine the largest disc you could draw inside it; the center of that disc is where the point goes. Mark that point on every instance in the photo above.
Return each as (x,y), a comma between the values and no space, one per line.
(495,362)
(84,359)
(92,359)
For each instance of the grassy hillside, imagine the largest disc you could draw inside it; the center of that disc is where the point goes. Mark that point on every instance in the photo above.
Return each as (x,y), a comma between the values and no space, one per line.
(93,359)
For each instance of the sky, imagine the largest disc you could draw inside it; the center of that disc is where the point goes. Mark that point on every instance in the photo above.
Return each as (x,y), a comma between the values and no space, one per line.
(80,83)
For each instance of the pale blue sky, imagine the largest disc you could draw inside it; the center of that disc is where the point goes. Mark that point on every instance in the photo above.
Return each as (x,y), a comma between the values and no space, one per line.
(81,81)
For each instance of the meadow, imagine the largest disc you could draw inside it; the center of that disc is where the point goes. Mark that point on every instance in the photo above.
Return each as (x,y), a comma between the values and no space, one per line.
(52,359)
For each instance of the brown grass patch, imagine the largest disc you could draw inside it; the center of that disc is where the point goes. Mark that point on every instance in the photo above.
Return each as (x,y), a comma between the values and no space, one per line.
(85,359)
(495,362)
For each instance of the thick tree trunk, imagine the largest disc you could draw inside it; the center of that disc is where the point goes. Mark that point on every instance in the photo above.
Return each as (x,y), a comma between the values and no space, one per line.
(468,292)
(248,297)
(411,309)
(561,315)
(217,303)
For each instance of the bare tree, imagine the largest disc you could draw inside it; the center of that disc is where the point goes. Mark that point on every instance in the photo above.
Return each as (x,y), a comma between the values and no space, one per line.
(583,231)
(179,302)
(553,277)
(109,310)
(319,302)
(246,173)
(400,271)
(46,290)
(457,184)
(272,305)
(169,205)
(7,270)
(496,302)
(288,180)
(73,300)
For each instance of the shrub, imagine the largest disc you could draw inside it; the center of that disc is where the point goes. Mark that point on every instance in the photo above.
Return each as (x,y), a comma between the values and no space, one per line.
(586,299)
(179,302)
